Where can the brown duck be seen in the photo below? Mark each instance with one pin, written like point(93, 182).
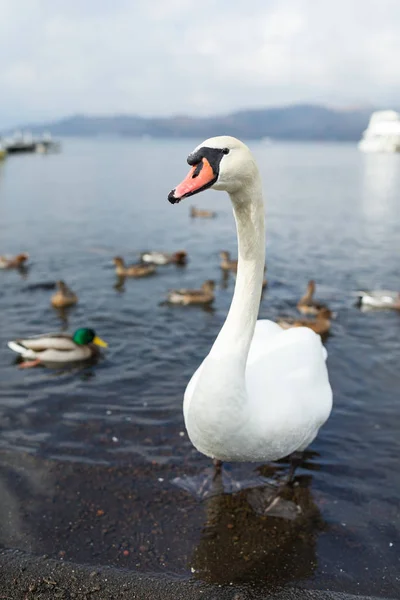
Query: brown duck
point(321, 324)
point(139, 270)
point(202, 214)
point(307, 305)
point(205, 295)
point(64, 296)
point(14, 262)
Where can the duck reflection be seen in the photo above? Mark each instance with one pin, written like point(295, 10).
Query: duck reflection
point(63, 315)
point(119, 284)
point(224, 282)
point(240, 545)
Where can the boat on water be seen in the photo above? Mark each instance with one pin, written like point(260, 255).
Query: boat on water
point(382, 133)
point(20, 142)
point(25, 142)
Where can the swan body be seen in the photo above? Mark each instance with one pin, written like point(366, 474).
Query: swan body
point(380, 299)
point(262, 392)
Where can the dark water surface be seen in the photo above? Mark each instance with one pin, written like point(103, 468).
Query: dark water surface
point(87, 456)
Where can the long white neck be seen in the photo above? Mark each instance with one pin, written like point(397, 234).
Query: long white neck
point(237, 332)
point(217, 408)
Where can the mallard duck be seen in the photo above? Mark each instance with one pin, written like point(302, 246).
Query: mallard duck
point(379, 299)
point(64, 296)
point(139, 270)
point(203, 214)
point(321, 324)
point(203, 296)
point(14, 262)
point(163, 258)
point(58, 348)
point(307, 305)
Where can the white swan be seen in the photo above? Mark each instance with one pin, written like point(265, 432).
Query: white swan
point(262, 392)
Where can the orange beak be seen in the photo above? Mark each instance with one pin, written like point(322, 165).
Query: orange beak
point(199, 178)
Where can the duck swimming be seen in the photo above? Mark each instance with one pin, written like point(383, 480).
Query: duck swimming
point(140, 270)
point(227, 264)
point(14, 262)
point(307, 305)
point(262, 392)
point(203, 296)
point(57, 348)
point(321, 324)
point(64, 297)
point(163, 258)
point(202, 214)
point(379, 299)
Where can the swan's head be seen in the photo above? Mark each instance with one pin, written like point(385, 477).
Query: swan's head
point(222, 163)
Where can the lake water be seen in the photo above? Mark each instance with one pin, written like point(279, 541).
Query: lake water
point(87, 456)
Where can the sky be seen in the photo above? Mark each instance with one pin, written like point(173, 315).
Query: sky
point(169, 57)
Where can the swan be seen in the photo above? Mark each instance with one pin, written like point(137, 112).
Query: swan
point(262, 392)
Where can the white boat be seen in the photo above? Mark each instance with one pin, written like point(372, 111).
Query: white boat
point(382, 133)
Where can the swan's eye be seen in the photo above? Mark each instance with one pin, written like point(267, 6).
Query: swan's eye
point(225, 150)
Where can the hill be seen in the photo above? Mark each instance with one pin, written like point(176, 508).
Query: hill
point(297, 122)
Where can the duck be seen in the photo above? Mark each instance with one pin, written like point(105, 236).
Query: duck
point(14, 262)
point(307, 305)
point(64, 297)
point(205, 295)
point(57, 348)
point(227, 264)
point(140, 270)
point(321, 324)
point(262, 392)
point(163, 258)
point(379, 299)
point(203, 214)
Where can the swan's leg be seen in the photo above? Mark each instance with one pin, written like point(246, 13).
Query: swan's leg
point(296, 460)
point(270, 501)
point(217, 468)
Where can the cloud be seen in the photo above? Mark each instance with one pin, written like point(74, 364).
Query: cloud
point(59, 57)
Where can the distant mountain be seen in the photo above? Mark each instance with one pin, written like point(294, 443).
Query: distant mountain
point(297, 122)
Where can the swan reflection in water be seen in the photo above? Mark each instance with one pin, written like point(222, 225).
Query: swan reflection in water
point(239, 545)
